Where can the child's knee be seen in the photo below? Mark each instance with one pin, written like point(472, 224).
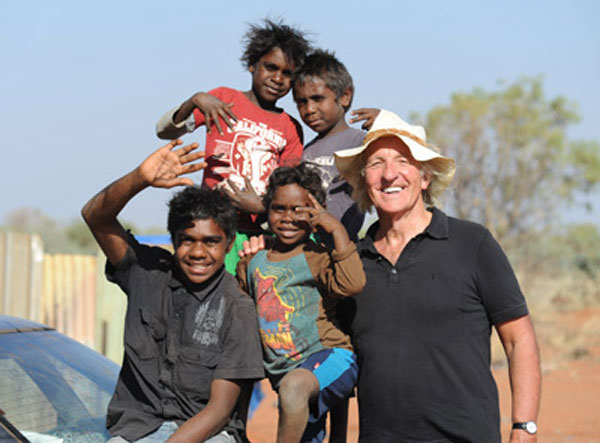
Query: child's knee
point(297, 388)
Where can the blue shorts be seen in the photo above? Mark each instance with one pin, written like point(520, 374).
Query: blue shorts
point(336, 370)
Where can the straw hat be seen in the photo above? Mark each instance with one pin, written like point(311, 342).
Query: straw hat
point(350, 164)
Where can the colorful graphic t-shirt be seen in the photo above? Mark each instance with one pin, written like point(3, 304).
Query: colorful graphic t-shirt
point(296, 302)
point(287, 303)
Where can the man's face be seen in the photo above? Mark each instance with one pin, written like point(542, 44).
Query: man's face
point(272, 76)
point(393, 177)
point(200, 250)
point(318, 106)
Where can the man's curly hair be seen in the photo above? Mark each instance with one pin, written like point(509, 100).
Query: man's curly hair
point(303, 175)
point(195, 203)
point(259, 40)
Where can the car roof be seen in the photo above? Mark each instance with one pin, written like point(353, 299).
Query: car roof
point(9, 324)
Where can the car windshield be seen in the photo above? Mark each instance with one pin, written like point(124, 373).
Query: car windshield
point(54, 389)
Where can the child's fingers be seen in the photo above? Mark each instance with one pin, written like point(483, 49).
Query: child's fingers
point(218, 124)
point(191, 157)
point(186, 153)
point(314, 202)
point(187, 148)
point(230, 112)
point(306, 210)
point(233, 190)
point(248, 183)
point(195, 167)
point(173, 144)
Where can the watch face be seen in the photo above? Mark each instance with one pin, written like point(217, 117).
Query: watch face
point(531, 427)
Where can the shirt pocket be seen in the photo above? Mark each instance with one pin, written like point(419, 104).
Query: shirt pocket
point(144, 339)
point(195, 370)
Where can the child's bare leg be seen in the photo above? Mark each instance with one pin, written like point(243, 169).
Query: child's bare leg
point(296, 390)
point(338, 422)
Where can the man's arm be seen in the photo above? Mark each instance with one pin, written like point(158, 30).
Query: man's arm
point(208, 422)
point(172, 124)
point(520, 345)
point(161, 170)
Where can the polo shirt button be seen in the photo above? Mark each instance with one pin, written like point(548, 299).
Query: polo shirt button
point(394, 271)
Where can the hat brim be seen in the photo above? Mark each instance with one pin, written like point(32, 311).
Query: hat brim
point(348, 162)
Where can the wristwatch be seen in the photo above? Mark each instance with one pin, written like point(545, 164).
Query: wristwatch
point(529, 426)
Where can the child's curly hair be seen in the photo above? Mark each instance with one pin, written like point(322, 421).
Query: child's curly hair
point(259, 40)
point(303, 175)
point(195, 203)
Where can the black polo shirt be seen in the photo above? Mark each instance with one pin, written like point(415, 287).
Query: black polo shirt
point(421, 329)
point(177, 342)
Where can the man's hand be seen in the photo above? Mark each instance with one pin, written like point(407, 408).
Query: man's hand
point(163, 168)
point(367, 115)
point(213, 108)
point(246, 199)
point(520, 436)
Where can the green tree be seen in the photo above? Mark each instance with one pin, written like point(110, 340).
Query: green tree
point(515, 165)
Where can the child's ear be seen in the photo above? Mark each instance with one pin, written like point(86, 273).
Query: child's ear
point(251, 69)
point(346, 98)
point(230, 245)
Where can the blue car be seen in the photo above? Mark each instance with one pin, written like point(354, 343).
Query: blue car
point(52, 388)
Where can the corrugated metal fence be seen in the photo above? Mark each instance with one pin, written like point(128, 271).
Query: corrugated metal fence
point(62, 291)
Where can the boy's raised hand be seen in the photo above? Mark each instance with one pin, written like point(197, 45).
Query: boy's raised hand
point(367, 115)
point(246, 199)
point(213, 108)
point(163, 168)
point(319, 217)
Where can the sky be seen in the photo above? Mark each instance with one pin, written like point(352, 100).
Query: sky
point(83, 83)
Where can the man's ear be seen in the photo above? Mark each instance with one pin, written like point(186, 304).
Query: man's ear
point(425, 180)
point(252, 68)
point(345, 98)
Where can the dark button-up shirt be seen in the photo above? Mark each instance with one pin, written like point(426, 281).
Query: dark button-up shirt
point(176, 342)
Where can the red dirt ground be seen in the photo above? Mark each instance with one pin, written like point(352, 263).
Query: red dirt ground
point(569, 412)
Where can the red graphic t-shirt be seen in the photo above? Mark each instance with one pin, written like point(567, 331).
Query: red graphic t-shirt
point(259, 142)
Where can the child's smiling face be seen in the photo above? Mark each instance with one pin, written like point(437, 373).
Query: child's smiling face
point(290, 226)
point(200, 250)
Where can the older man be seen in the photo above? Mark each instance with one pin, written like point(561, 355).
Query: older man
point(435, 287)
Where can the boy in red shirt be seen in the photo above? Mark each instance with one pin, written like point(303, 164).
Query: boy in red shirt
point(253, 136)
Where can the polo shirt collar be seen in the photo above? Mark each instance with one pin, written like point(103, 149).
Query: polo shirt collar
point(198, 291)
point(437, 228)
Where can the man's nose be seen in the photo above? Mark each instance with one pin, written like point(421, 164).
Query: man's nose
point(390, 171)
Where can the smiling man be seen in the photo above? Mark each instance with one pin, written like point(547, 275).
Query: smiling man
point(436, 286)
point(192, 348)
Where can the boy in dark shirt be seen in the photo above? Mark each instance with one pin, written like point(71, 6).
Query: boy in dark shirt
point(192, 348)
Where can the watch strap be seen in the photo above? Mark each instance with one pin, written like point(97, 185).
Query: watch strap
point(528, 426)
